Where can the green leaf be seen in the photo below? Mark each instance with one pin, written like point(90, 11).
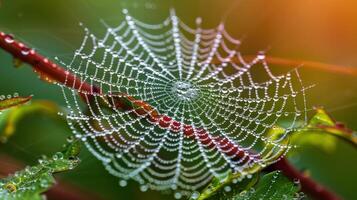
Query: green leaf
point(11, 117)
point(227, 188)
point(322, 131)
point(219, 185)
point(272, 186)
point(321, 118)
point(320, 124)
point(12, 102)
point(30, 183)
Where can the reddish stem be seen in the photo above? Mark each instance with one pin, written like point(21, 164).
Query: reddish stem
point(43, 65)
point(220, 143)
point(55, 72)
point(308, 185)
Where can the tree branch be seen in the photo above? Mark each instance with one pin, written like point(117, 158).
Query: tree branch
point(56, 73)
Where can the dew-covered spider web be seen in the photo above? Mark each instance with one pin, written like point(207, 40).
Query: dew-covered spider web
point(179, 105)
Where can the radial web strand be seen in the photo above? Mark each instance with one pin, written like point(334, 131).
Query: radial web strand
point(178, 105)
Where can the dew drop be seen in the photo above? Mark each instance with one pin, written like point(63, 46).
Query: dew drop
point(123, 183)
point(9, 39)
point(227, 188)
point(261, 55)
point(57, 156)
point(144, 188)
point(25, 51)
point(243, 193)
point(178, 195)
point(195, 195)
point(198, 20)
point(70, 139)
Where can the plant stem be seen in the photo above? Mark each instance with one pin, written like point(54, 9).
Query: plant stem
point(42, 65)
point(308, 185)
point(351, 71)
point(55, 72)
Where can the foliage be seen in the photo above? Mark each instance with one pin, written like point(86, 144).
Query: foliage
point(218, 185)
point(10, 117)
point(323, 132)
point(13, 102)
point(315, 132)
point(31, 182)
point(274, 186)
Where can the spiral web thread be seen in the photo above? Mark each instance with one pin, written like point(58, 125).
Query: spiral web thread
point(209, 109)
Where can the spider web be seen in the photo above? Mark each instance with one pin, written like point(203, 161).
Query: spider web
point(207, 109)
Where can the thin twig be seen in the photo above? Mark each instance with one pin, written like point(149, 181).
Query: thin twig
point(352, 71)
point(340, 69)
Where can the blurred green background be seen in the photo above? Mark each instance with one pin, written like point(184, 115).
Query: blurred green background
point(319, 30)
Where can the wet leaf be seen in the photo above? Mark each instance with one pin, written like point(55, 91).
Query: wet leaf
point(272, 186)
point(30, 183)
point(13, 102)
point(224, 190)
point(320, 130)
point(242, 180)
point(321, 118)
